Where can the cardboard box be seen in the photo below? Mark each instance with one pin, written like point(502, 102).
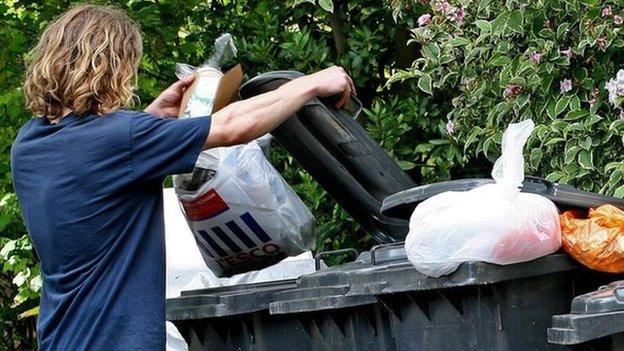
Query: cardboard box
point(211, 91)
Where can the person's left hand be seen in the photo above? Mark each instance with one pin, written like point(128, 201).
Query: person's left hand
point(167, 104)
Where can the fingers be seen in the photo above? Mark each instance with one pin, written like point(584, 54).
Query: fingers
point(351, 85)
point(183, 83)
point(344, 98)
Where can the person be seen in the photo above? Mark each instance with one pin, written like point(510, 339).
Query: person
point(88, 175)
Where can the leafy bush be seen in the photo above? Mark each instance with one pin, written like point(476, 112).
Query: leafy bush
point(501, 61)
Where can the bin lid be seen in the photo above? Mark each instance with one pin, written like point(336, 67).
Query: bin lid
point(593, 315)
point(225, 300)
point(341, 156)
point(386, 270)
point(402, 204)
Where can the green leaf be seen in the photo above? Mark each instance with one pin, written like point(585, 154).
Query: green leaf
point(472, 54)
point(619, 192)
point(562, 30)
point(555, 176)
point(576, 114)
point(485, 26)
point(586, 159)
point(575, 103)
point(572, 169)
point(554, 141)
point(561, 105)
point(616, 177)
point(20, 278)
point(590, 3)
point(30, 313)
point(586, 144)
point(424, 83)
point(500, 23)
point(7, 249)
point(459, 41)
point(483, 4)
point(431, 51)
point(614, 165)
point(522, 100)
point(592, 120)
point(406, 165)
point(499, 60)
point(439, 141)
point(551, 108)
point(535, 158)
point(570, 154)
point(472, 137)
point(515, 22)
point(298, 2)
point(327, 5)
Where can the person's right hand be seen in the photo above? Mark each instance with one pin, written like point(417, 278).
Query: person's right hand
point(332, 81)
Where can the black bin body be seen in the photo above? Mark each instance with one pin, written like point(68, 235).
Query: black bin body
point(383, 303)
point(480, 306)
point(235, 318)
point(595, 321)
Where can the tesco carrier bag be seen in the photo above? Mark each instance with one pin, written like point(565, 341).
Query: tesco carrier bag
point(242, 213)
point(494, 223)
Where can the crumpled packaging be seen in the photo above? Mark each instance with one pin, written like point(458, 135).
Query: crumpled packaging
point(596, 241)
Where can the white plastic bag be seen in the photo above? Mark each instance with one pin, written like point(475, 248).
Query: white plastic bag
point(243, 214)
point(241, 211)
point(494, 223)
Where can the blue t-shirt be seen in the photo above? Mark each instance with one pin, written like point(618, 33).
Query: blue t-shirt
point(90, 189)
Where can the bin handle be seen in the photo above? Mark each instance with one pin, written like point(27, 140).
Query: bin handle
point(376, 248)
point(353, 107)
point(320, 255)
point(548, 185)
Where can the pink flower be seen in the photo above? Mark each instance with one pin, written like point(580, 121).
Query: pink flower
point(459, 15)
point(618, 20)
point(547, 24)
point(443, 6)
point(450, 127)
point(536, 56)
point(424, 20)
point(606, 12)
point(622, 114)
point(565, 85)
point(513, 90)
point(602, 42)
point(567, 52)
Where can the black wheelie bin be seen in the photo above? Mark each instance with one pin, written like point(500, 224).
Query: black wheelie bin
point(379, 301)
point(595, 322)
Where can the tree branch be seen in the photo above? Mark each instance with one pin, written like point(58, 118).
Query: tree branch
point(335, 22)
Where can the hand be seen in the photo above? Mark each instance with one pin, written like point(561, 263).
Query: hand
point(332, 81)
point(167, 104)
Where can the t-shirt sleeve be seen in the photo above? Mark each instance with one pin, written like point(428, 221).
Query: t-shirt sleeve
point(164, 146)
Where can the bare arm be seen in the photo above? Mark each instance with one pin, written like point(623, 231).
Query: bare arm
point(249, 119)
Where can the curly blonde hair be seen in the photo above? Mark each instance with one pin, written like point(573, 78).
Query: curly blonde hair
point(85, 61)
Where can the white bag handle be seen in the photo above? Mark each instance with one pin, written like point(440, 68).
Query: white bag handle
point(508, 170)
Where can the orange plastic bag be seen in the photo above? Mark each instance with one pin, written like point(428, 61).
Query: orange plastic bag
point(598, 241)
